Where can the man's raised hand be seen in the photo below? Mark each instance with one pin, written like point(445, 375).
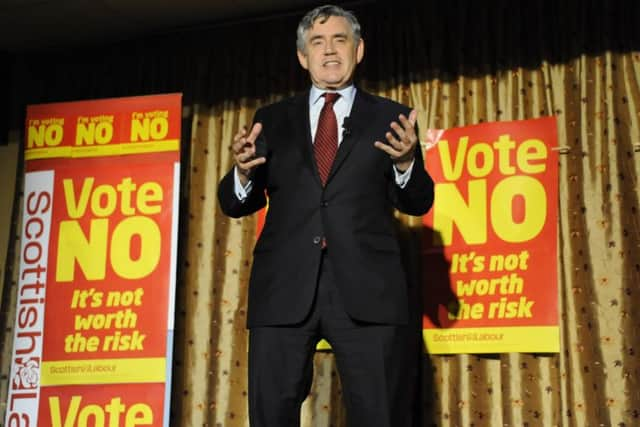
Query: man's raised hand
point(401, 149)
point(244, 152)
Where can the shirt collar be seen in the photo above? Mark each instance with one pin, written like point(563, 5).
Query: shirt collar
point(347, 94)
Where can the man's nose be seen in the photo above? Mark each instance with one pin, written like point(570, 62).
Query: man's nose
point(329, 48)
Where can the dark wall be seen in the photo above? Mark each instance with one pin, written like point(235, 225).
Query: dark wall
point(256, 59)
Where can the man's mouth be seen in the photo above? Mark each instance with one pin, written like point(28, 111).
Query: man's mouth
point(331, 63)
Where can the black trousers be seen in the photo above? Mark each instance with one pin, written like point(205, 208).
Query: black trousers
point(372, 361)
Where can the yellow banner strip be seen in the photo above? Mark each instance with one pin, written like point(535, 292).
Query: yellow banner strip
point(103, 371)
point(516, 339)
point(119, 149)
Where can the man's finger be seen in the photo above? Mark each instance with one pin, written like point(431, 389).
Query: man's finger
point(239, 141)
point(387, 149)
point(408, 126)
point(413, 117)
point(253, 163)
point(393, 141)
point(245, 155)
point(241, 146)
point(241, 133)
point(255, 131)
point(399, 130)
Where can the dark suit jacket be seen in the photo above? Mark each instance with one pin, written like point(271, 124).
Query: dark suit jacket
point(354, 211)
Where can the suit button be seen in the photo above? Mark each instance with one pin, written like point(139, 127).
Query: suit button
point(324, 204)
point(317, 240)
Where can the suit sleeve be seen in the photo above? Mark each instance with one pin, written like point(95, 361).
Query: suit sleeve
point(256, 199)
point(416, 198)
point(232, 206)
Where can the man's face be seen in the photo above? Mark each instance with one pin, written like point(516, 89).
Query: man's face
point(331, 54)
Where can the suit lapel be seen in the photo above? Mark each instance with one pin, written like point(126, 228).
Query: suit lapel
point(299, 120)
point(362, 111)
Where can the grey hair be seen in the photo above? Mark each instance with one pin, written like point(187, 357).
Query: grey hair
point(323, 13)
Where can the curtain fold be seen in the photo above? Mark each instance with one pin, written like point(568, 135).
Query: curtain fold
point(457, 63)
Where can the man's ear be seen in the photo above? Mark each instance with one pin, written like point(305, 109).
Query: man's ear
point(303, 59)
point(360, 51)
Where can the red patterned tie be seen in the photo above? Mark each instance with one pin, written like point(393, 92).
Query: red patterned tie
point(326, 142)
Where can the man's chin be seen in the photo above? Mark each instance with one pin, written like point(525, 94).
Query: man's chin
point(333, 84)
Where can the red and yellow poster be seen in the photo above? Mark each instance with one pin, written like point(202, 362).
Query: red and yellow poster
point(94, 326)
point(490, 263)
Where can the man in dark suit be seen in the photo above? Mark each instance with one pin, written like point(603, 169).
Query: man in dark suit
point(327, 264)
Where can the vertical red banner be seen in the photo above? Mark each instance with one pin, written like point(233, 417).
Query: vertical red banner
point(493, 238)
point(94, 331)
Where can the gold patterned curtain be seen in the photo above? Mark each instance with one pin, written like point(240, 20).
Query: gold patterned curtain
point(457, 63)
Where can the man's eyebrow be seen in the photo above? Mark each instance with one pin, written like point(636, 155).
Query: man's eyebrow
point(336, 35)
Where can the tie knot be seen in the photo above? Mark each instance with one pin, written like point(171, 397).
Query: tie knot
point(330, 97)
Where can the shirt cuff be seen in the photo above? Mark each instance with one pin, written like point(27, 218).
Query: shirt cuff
point(242, 192)
point(402, 178)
